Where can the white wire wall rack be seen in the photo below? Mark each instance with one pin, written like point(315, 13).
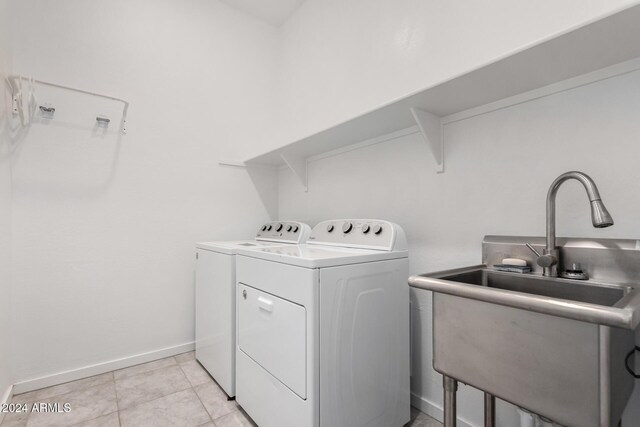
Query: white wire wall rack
point(16, 83)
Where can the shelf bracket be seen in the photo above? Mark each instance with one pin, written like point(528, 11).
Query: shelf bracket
point(298, 166)
point(430, 126)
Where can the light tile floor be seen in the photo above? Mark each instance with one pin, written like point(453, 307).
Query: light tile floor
point(170, 392)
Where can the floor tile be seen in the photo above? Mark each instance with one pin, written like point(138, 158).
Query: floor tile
point(209, 424)
point(424, 420)
point(111, 420)
point(195, 373)
point(236, 418)
point(15, 419)
point(86, 404)
point(215, 400)
point(145, 367)
point(151, 385)
point(185, 357)
point(182, 409)
point(46, 393)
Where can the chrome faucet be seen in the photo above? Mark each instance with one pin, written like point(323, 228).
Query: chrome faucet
point(600, 217)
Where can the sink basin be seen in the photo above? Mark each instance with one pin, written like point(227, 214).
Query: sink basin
point(587, 292)
point(590, 301)
point(554, 346)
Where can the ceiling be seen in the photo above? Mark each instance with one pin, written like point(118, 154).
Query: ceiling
point(274, 12)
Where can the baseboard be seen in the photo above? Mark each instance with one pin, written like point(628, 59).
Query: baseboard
point(100, 368)
point(5, 398)
point(434, 410)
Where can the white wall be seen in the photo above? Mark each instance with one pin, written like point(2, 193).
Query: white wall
point(343, 58)
point(6, 376)
point(105, 225)
point(498, 169)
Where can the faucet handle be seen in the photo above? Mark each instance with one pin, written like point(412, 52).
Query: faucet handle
point(545, 261)
point(533, 249)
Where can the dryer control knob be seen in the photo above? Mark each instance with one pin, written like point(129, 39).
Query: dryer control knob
point(330, 228)
point(377, 229)
point(295, 228)
point(269, 227)
point(289, 228)
point(347, 227)
point(264, 227)
point(279, 227)
point(366, 228)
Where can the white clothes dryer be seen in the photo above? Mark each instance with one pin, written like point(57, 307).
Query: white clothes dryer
point(323, 328)
point(216, 297)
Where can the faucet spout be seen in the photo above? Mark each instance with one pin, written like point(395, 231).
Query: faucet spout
point(600, 216)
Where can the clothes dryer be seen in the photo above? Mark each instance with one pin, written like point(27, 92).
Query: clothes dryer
point(323, 328)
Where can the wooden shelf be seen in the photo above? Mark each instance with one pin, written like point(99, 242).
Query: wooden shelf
point(597, 45)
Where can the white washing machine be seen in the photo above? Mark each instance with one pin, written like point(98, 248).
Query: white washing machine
point(216, 296)
point(323, 328)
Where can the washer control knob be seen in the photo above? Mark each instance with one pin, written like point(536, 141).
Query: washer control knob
point(289, 228)
point(264, 227)
point(279, 227)
point(269, 227)
point(377, 229)
point(330, 228)
point(366, 228)
point(295, 228)
point(347, 227)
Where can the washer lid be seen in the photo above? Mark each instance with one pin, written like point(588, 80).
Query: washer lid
point(232, 247)
point(316, 256)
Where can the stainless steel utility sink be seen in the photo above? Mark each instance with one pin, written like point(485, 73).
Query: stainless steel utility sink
point(554, 346)
point(590, 301)
point(588, 292)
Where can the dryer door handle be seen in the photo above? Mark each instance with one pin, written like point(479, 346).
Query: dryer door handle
point(265, 304)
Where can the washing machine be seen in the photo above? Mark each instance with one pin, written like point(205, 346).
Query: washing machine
point(323, 328)
point(216, 296)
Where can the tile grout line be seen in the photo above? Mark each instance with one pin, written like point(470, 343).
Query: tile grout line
point(66, 392)
point(117, 404)
point(198, 396)
point(145, 372)
point(100, 416)
point(75, 391)
point(158, 397)
point(114, 381)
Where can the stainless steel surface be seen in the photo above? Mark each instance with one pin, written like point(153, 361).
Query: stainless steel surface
point(450, 387)
point(600, 217)
point(489, 410)
point(549, 365)
point(551, 345)
point(614, 261)
point(592, 301)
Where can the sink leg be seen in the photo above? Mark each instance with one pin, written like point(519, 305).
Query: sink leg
point(489, 410)
point(450, 388)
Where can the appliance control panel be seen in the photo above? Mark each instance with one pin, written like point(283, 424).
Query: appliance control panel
point(359, 233)
point(284, 231)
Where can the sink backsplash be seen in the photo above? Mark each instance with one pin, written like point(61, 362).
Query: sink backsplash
point(611, 260)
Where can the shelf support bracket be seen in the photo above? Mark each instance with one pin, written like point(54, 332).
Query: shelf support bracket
point(430, 126)
point(298, 166)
